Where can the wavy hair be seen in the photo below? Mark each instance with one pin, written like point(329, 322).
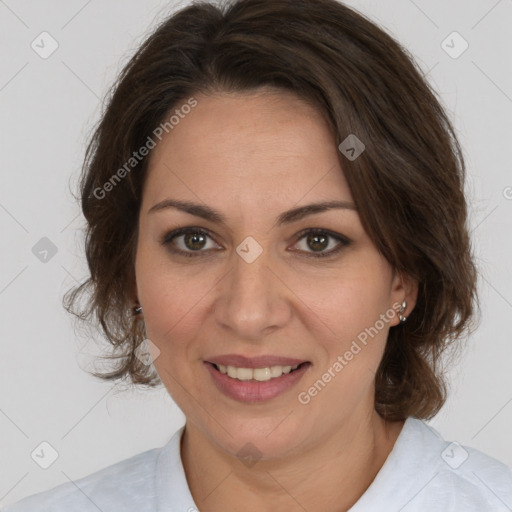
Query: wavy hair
point(408, 185)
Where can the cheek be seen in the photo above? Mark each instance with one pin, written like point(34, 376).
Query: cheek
point(171, 305)
point(172, 298)
point(351, 334)
point(170, 309)
point(350, 339)
point(157, 294)
point(351, 298)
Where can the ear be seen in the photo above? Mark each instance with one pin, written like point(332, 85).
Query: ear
point(403, 287)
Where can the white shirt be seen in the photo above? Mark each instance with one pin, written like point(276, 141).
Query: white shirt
point(423, 473)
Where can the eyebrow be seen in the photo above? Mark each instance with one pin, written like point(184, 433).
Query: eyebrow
point(287, 217)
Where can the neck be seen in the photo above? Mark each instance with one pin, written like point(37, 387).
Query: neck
point(330, 476)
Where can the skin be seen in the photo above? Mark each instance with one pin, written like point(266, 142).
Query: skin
point(252, 156)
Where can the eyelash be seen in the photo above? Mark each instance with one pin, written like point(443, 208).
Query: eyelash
point(169, 237)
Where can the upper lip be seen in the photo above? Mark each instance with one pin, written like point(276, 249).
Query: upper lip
point(254, 362)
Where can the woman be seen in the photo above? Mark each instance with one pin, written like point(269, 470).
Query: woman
point(275, 211)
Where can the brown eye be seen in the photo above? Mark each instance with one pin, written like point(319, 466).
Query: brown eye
point(316, 241)
point(191, 241)
point(187, 241)
point(194, 241)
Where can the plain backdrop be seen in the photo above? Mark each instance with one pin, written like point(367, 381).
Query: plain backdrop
point(48, 108)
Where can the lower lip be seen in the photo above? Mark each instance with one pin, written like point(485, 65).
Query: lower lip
point(250, 391)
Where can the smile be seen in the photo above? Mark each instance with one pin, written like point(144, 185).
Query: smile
point(259, 374)
point(252, 385)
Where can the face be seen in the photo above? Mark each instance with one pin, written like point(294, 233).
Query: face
point(256, 284)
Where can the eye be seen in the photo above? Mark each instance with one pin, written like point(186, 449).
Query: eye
point(318, 240)
point(191, 241)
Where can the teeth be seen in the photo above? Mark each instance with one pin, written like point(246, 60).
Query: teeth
point(259, 374)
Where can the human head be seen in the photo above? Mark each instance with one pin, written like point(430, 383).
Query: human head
point(407, 185)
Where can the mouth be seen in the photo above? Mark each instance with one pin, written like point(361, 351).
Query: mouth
point(255, 385)
point(263, 374)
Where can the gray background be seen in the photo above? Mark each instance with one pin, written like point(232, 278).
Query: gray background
point(48, 109)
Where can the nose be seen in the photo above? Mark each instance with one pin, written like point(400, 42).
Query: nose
point(253, 301)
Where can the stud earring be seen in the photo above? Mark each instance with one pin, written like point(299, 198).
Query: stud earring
point(402, 318)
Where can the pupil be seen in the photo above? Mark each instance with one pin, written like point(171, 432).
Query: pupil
point(323, 244)
point(194, 237)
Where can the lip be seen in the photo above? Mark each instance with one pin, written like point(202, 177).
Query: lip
point(253, 391)
point(254, 362)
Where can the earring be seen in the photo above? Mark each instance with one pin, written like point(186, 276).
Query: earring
point(137, 310)
point(402, 318)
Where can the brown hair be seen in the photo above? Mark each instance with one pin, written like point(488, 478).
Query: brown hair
point(408, 184)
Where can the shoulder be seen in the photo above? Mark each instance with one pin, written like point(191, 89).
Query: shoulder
point(471, 477)
point(456, 476)
point(424, 472)
point(125, 485)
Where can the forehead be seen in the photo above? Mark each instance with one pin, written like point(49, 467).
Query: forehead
point(248, 147)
